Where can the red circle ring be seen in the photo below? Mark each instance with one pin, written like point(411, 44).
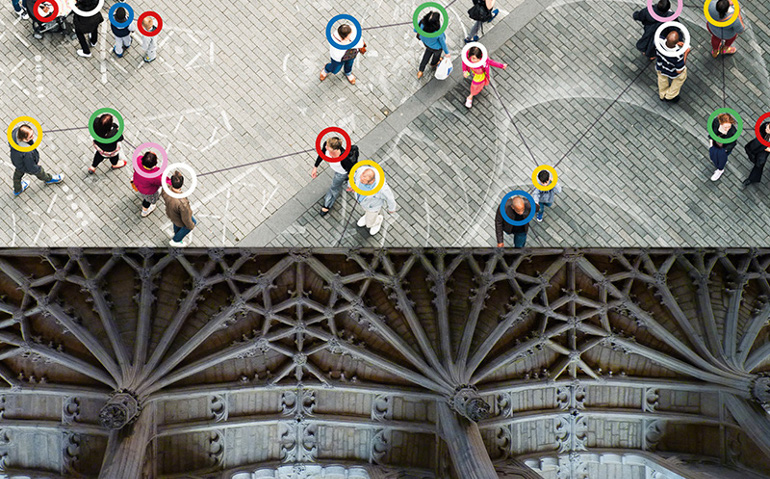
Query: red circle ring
point(326, 131)
point(758, 125)
point(141, 29)
point(50, 17)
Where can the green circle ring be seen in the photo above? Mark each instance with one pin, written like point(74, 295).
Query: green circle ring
point(710, 127)
point(416, 22)
point(113, 113)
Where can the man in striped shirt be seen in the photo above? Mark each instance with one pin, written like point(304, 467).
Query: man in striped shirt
point(671, 70)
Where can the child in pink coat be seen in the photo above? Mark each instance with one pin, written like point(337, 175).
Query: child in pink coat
point(148, 188)
point(480, 74)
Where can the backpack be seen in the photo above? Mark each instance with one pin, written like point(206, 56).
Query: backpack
point(479, 11)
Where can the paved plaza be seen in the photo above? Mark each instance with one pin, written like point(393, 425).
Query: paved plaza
point(235, 94)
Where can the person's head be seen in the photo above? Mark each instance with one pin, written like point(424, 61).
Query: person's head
point(177, 180)
point(149, 160)
point(664, 5)
point(334, 147)
point(726, 119)
point(104, 125)
point(121, 15)
point(367, 176)
point(474, 54)
point(518, 205)
point(25, 133)
point(148, 23)
point(344, 31)
point(544, 177)
point(672, 39)
point(722, 7)
point(431, 22)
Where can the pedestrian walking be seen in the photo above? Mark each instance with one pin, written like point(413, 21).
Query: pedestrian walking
point(27, 162)
point(365, 179)
point(646, 44)
point(334, 149)
point(758, 153)
point(431, 23)
point(544, 199)
point(149, 44)
point(482, 11)
point(148, 188)
point(343, 59)
point(106, 127)
point(122, 35)
point(723, 127)
point(87, 26)
point(722, 38)
point(179, 212)
point(20, 9)
point(517, 209)
point(480, 74)
point(671, 69)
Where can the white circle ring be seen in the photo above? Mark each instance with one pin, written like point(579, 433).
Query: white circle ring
point(467, 62)
point(660, 43)
point(90, 13)
point(181, 166)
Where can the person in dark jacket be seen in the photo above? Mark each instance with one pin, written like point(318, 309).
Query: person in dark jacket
point(87, 25)
point(106, 127)
point(758, 154)
point(334, 149)
point(724, 127)
point(26, 162)
point(646, 44)
point(517, 209)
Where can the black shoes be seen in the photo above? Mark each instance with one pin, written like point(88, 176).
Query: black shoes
point(747, 182)
point(324, 213)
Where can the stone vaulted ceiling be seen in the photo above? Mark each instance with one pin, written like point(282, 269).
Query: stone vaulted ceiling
point(225, 363)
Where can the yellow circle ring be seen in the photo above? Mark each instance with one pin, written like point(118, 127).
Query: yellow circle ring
point(352, 178)
point(550, 169)
point(25, 119)
point(727, 22)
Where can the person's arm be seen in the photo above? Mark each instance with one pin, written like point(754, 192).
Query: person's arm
point(186, 214)
point(495, 64)
point(314, 171)
point(389, 198)
point(490, 4)
point(442, 41)
point(499, 228)
point(30, 162)
point(557, 189)
point(536, 196)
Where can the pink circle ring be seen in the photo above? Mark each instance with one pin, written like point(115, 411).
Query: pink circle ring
point(680, 5)
point(139, 169)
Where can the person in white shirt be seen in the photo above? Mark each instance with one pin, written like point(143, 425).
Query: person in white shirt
point(366, 180)
point(340, 59)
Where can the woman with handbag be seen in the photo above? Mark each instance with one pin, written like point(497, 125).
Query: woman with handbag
point(343, 58)
point(758, 153)
point(105, 127)
point(148, 188)
point(431, 23)
point(87, 25)
point(482, 11)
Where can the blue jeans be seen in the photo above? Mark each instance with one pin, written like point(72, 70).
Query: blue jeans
point(541, 211)
point(519, 240)
point(334, 67)
point(17, 5)
point(181, 231)
point(718, 157)
point(335, 189)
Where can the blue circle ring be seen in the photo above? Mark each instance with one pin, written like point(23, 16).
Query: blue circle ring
point(531, 208)
point(343, 16)
point(111, 15)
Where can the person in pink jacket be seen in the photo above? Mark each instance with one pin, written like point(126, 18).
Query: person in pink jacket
point(148, 188)
point(480, 74)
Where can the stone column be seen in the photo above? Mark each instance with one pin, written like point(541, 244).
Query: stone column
point(463, 439)
point(126, 448)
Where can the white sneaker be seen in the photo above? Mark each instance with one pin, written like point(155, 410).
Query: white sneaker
point(81, 53)
point(717, 174)
point(176, 244)
point(377, 225)
point(187, 239)
point(469, 102)
point(362, 222)
point(24, 15)
point(146, 212)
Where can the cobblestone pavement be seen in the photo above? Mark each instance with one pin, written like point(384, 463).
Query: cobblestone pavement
point(635, 171)
point(240, 101)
